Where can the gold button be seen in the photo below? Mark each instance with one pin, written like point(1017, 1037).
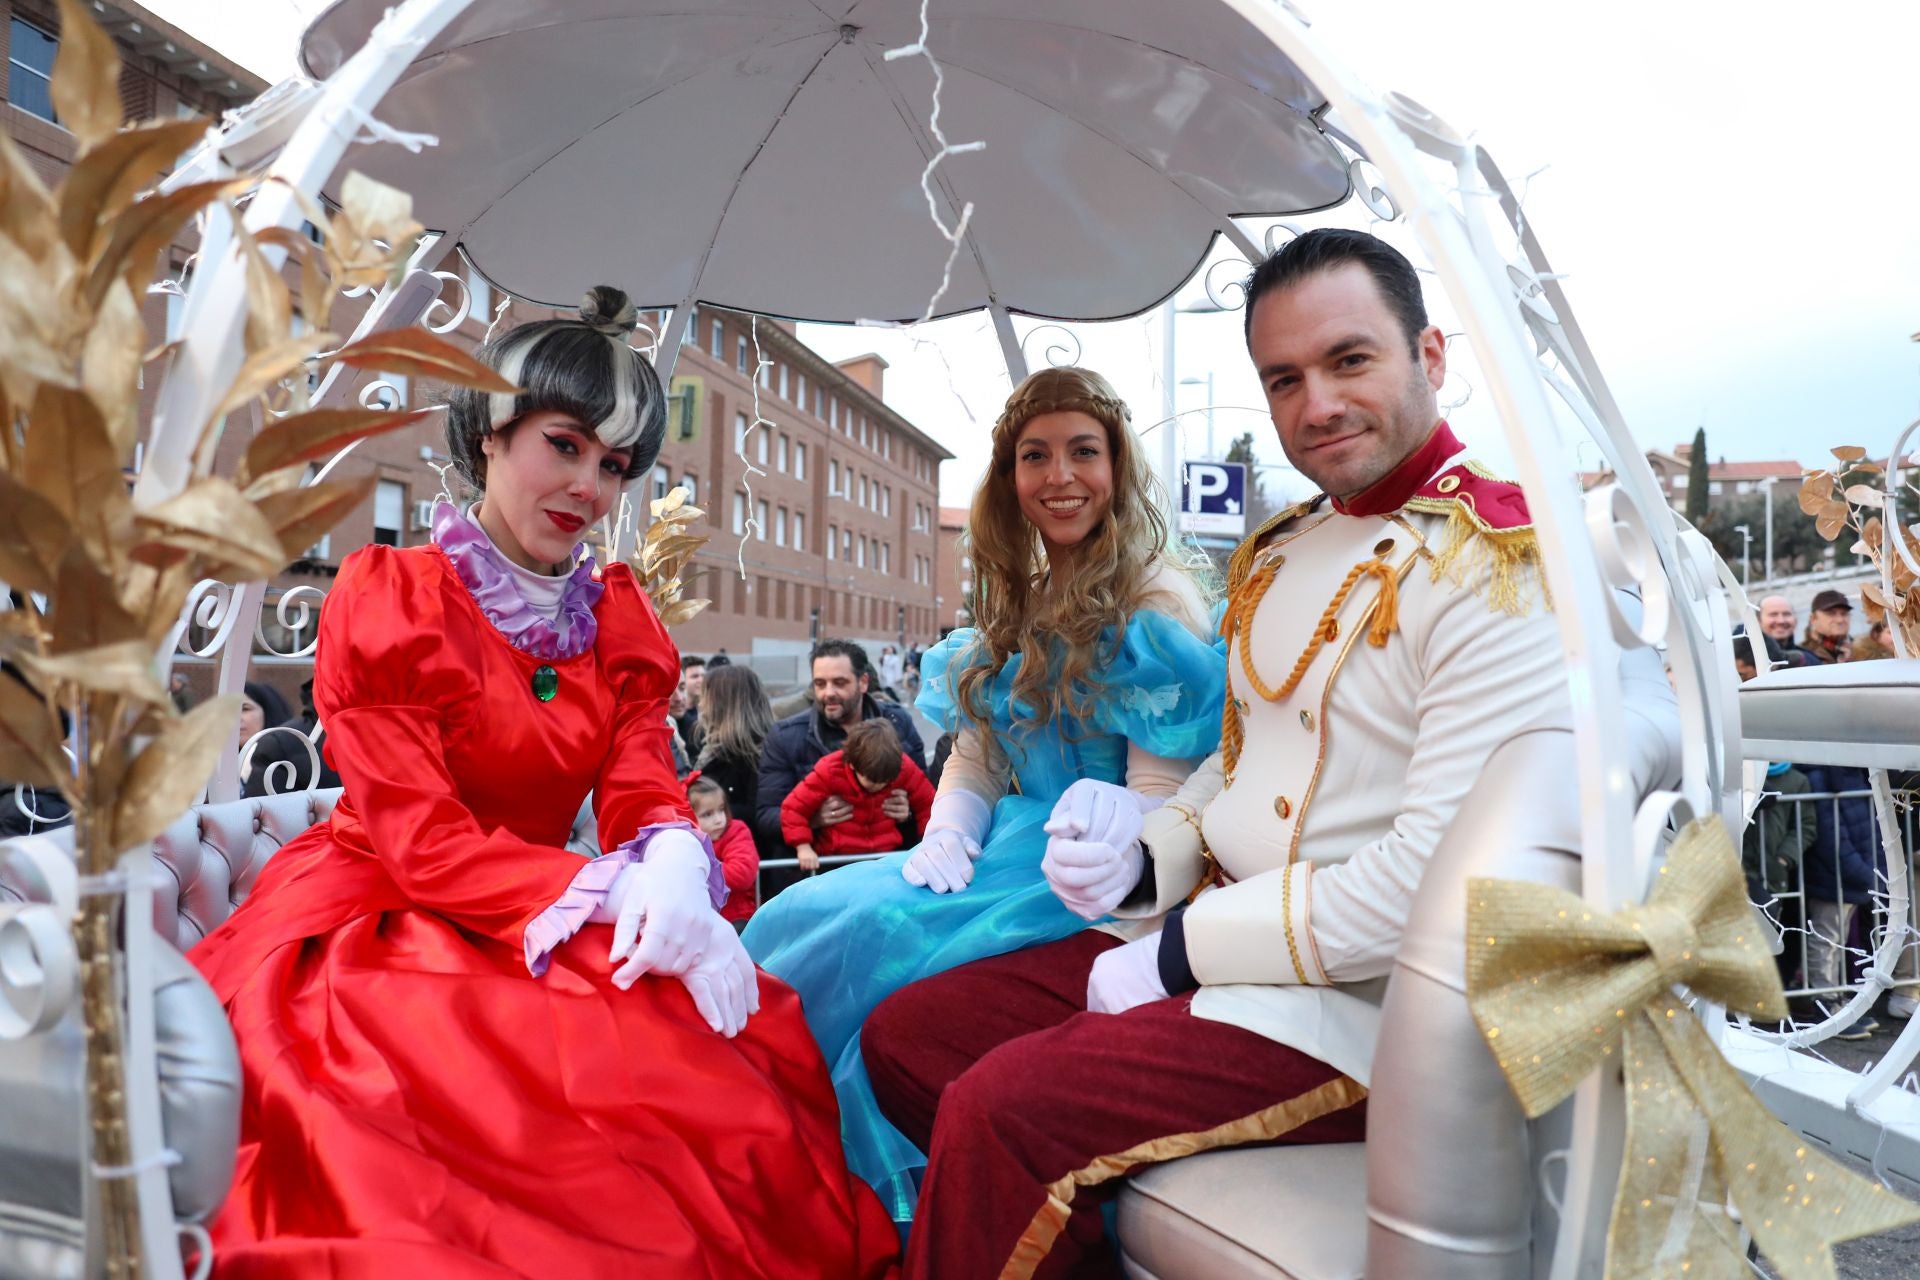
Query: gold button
point(1383, 546)
point(1306, 721)
point(1449, 483)
point(1283, 807)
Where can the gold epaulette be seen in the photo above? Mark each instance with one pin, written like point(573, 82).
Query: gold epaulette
point(1488, 537)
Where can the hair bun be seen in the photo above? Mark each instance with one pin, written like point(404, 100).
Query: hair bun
point(607, 310)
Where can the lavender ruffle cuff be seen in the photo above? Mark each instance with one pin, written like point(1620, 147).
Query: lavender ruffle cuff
point(590, 887)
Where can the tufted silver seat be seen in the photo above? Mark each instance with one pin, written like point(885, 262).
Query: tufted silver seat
point(1854, 713)
point(1392, 1206)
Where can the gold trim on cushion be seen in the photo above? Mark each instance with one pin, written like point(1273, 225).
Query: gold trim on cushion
point(1264, 1125)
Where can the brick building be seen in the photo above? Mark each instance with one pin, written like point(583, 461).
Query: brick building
point(956, 569)
point(1725, 480)
point(843, 518)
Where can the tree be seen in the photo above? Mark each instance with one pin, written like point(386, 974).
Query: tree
point(1696, 511)
point(1797, 545)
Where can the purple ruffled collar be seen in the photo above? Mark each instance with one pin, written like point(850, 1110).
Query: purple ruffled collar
point(489, 577)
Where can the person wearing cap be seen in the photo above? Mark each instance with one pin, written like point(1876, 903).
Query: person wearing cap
point(1828, 627)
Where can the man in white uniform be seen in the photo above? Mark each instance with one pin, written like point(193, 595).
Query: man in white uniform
point(1385, 638)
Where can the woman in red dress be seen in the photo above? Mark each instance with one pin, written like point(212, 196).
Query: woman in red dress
point(467, 1051)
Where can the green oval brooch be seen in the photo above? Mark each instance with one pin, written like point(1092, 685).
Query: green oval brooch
point(546, 683)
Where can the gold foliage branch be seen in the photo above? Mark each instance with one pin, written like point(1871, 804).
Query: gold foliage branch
point(1850, 495)
point(663, 554)
point(100, 578)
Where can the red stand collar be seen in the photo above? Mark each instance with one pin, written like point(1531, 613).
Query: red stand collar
point(1391, 491)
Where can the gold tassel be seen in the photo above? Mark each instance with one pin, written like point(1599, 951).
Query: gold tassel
point(1510, 558)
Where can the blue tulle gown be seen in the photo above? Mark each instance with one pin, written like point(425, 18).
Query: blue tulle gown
point(848, 939)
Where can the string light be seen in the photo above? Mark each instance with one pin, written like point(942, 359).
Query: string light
point(958, 232)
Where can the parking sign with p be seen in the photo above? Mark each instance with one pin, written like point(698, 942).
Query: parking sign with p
point(1213, 498)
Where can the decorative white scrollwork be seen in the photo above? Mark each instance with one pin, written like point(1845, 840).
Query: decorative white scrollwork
point(213, 606)
point(39, 966)
point(1062, 348)
point(283, 776)
point(380, 394)
point(456, 311)
point(1630, 563)
point(1227, 291)
point(1278, 234)
point(1376, 197)
point(295, 612)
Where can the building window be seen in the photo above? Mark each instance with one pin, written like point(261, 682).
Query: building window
point(692, 485)
point(800, 461)
point(760, 520)
point(740, 434)
point(784, 376)
point(662, 481)
point(717, 344)
point(799, 531)
point(740, 354)
point(886, 500)
point(30, 64)
point(886, 558)
point(690, 336)
point(786, 455)
point(389, 512)
point(800, 389)
point(863, 491)
point(816, 402)
point(479, 296)
point(860, 559)
point(846, 544)
point(1714, 488)
point(766, 374)
point(739, 513)
point(760, 447)
point(780, 527)
point(833, 478)
point(833, 411)
point(833, 542)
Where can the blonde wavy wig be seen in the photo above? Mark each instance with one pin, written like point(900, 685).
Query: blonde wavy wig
point(1067, 629)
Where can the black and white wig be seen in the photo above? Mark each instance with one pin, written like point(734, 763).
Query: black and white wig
point(580, 367)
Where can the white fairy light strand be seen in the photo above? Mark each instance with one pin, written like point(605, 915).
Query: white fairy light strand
point(750, 524)
point(958, 232)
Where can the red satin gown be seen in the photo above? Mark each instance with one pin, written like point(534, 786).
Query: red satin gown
point(417, 1104)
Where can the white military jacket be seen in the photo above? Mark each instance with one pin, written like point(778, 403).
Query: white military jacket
point(1308, 843)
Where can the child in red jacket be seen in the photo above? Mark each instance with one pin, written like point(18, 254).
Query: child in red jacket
point(732, 844)
point(866, 773)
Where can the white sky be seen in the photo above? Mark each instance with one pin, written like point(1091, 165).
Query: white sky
point(1730, 189)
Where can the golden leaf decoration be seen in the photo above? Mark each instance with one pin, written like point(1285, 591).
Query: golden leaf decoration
point(33, 536)
point(86, 78)
point(1849, 452)
point(125, 668)
point(371, 236)
point(269, 304)
point(1830, 519)
point(318, 433)
point(669, 544)
point(33, 310)
point(27, 215)
point(418, 354)
point(142, 233)
point(29, 736)
point(87, 613)
point(1815, 490)
point(70, 460)
point(110, 365)
point(1865, 495)
point(267, 366)
point(300, 516)
point(103, 182)
point(214, 519)
point(166, 778)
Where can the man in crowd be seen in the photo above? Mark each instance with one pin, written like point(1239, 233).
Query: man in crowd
point(693, 678)
point(842, 698)
point(1777, 624)
point(1829, 627)
point(1408, 638)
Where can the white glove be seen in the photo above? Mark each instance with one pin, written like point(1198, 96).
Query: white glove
point(663, 901)
point(1093, 858)
point(956, 825)
point(721, 979)
point(1126, 976)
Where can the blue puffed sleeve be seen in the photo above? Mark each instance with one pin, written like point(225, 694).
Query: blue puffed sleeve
point(940, 670)
point(1165, 688)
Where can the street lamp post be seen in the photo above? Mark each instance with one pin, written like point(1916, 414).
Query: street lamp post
point(1766, 489)
point(1746, 553)
point(1206, 382)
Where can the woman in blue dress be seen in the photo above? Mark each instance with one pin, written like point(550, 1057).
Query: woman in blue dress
point(1093, 657)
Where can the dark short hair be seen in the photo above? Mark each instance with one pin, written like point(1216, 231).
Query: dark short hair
point(690, 660)
point(841, 649)
point(1324, 249)
point(580, 366)
point(1743, 651)
point(873, 749)
point(705, 788)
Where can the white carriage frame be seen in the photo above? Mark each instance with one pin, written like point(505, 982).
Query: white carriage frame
point(1622, 537)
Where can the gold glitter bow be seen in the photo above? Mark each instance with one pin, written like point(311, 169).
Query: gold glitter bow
point(1556, 987)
